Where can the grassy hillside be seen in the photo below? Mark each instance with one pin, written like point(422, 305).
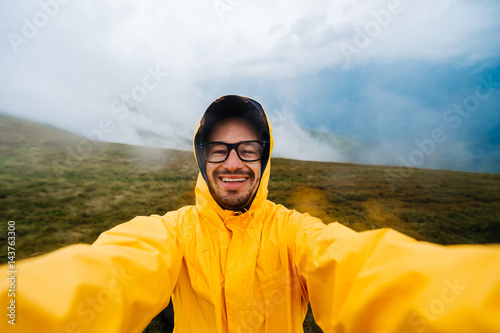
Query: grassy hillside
point(61, 189)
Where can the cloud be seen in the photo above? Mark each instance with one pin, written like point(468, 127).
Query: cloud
point(78, 61)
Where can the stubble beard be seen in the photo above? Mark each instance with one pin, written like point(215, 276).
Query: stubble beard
point(229, 199)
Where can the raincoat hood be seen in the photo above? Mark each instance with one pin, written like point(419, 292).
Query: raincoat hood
point(222, 108)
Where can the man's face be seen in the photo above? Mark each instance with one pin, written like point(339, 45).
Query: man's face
point(233, 183)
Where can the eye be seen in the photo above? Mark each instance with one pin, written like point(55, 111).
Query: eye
point(216, 149)
point(219, 151)
point(250, 149)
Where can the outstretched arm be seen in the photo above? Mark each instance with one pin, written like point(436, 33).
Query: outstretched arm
point(117, 284)
point(383, 281)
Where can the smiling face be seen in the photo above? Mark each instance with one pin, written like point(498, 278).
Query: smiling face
point(233, 183)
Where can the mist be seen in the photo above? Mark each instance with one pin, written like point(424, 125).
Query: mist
point(400, 83)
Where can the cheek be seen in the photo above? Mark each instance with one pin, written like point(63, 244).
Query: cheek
point(210, 177)
point(210, 170)
point(257, 172)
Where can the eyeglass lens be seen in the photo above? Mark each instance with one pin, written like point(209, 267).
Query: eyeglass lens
point(248, 151)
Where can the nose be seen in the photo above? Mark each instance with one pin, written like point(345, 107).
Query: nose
point(233, 161)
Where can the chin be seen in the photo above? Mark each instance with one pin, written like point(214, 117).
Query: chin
point(234, 205)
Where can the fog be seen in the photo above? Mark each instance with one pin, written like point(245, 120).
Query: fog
point(400, 82)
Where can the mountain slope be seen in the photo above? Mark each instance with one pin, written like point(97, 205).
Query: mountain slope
point(61, 189)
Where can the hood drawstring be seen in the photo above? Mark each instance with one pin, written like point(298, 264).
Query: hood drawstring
point(238, 213)
point(218, 231)
point(257, 239)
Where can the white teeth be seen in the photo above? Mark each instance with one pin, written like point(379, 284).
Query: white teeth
point(233, 180)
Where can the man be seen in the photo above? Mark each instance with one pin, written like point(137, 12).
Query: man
point(236, 262)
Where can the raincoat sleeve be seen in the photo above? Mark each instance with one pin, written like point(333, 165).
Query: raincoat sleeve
point(117, 284)
point(384, 281)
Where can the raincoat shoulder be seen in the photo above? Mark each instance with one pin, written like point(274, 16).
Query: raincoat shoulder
point(117, 284)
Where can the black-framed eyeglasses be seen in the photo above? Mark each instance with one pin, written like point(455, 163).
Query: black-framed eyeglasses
point(248, 151)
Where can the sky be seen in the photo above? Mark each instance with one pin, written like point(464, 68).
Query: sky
point(409, 83)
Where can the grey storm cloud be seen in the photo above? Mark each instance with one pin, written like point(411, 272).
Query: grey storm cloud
point(144, 72)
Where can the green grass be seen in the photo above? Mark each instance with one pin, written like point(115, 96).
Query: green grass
point(60, 194)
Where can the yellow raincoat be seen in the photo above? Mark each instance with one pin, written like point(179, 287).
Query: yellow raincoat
point(255, 272)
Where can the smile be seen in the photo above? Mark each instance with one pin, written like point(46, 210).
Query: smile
point(233, 180)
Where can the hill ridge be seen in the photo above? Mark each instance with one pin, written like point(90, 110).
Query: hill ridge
point(60, 198)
